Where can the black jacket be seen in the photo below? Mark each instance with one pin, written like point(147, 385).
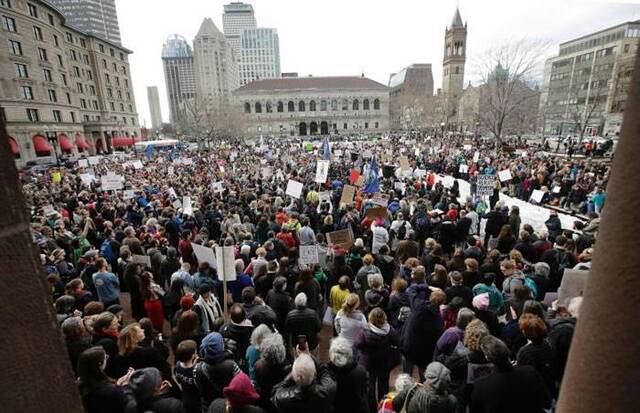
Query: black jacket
point(267, 377)
point(281, 304)
point(303, 322)
point(211, 378)
point(352, 392)
point(236, 340)
point(421, 332)
point(260, 314)
point(461, 291)
point(107, 398)
point(495, 221)
point(315, 398)
point(519, 389)
point(141, 357)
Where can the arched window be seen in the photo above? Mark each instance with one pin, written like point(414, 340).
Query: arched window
point(376, 104)
point(269, 107)
point(457, 70)
point(258, 107)
point(356, 105)
point(247, 107)
point(291, 106)
point(312, 106)
point(345, 104)
point(365, 104)
point(280, 107)
point(334, 104)
point(323, 105)
point(301, 106)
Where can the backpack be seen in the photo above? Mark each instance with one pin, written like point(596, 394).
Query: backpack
point(532, 286)
point(106, 250)
point(422, 224)
point(402, 231)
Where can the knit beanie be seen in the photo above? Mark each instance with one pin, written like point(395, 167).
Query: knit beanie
point(143, 382)
point(240, 392)
point(437, 376)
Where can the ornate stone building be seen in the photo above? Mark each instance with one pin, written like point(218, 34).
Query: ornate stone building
point(62, 91)
point(314, 106)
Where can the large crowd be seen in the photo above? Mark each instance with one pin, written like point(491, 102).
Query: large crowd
point(435, 301)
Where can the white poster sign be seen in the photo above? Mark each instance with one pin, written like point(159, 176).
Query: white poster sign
point(83, 163)
point(94, 160)
point(505, 175)
point(217, 187)
point(556, 189)
point(204, 254)
point(464, 168)
point(537, 195)
point(187, 207)
point(309, 254)
point(128, 194)
point(142, 259)
point(485, 184)
point(322, 171)
point(87, 179)
point(170, 171)
point(476, 156)
point(111, 182)
point(137, 164)
point(226, 262)
point(294, 188)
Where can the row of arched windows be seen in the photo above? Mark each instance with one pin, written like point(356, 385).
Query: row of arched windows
point(258, 107)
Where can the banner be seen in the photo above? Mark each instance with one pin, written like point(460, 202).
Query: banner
point(380, 199)
point(537, 196)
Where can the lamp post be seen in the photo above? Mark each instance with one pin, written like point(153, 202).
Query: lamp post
point(52, 137)
point(442, 129)
point(477, 130)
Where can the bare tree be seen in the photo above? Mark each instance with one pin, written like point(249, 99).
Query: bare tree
point(207, 122)
point(509, 74)
point(587, 101)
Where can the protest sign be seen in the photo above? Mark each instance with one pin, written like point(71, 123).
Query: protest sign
point(463, 168)
point(187, 208)
point(404, 163)
point(448, 181)
point(322, 171)
point(83, 163)
point(94, 160)
point(484, 185)
point(343, 238)
point(572, 285)
point(324, 196)
point(380, 199)
point(377, 212)
point(128, 194)
point(217, 187)
point(467, 147)
point(137, 164)
point(399, 186)
point(337, 153)
point(177, 204)
point(347, 195)
point(56, 177)
point(204, 254)
point(476, 156)
point(87, 179)
point(266, 172)
point(142, 259)
point(537, 195)
point(111, 182)
point(309, 254)
point(504, 175)
point(419, 173)
point(226, 263)
point(556, 189)
point(48, 209)
point(294, 188)
point(360, 181)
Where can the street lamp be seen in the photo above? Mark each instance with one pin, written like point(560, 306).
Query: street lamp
point(442, 129)
point(477, 130)
point(52, 137)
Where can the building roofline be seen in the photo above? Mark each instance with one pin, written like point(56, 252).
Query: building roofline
point(598, 32)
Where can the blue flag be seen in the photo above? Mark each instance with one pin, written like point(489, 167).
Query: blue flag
point(149, 151)
point(372, 183)
point(326, 152)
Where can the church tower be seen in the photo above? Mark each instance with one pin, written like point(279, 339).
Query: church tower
point(455, 46)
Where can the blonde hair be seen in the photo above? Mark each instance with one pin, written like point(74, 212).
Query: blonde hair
point(475, 331)
point(367, 259)
point(516, 256)
point(128, 339)
point(350, 304)
point(471, 264)
point(261, 252)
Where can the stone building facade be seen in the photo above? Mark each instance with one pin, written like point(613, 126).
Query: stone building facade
point(314, 106)
point(62, 91)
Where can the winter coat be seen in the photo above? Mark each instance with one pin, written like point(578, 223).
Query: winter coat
point(213, 376)
point(374, 347)
point(281, 304)
point(289, 397)
point(267, 377)
point(424, 399)
point(352, 395)
point(420, 333)
point(306, 322)
point(349, 326)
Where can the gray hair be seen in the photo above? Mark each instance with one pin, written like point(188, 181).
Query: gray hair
point(403, 381)
point(259, 333)
point(71, 327)
point(495, 350)
point(465, 316)
point(375, 280)
point(300, 300)
point(303, 371)
point(340, 352)
point(542, 269)
point(272, 349)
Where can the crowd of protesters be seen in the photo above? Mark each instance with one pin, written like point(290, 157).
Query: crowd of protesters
point(452, 311)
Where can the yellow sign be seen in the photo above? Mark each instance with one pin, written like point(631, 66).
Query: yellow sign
point(56, 177)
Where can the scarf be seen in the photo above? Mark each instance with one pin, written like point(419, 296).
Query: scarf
point(211, 308)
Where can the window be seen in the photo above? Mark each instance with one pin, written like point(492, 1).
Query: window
point(26, 92)
point(9, 24)
point(64, 79)
point(457, 70)
point(334, 104)
point(15, 47)
point(55, 41)
point(109, 92)
point(269, 107)
point(79, 87)
point(122, 107)
point(86, 118)
point(33, 10)
point(83, 103)
point(95, 104)
point(115, 67)
point(365, 104)
point(74, 55)
point(124, 70)
point(121, 56)
point(37, 33)
point(323, 105)
point(104, 64)
point(42, 54)
point(111, 52)
point(83, 43)
point(89, 75)
point(21, 70)
point(301, 106)
point(247, 107)
point(126, 83)
point(344, 125)
point(626, 48)
point(57, 116)
point(291, 106)
point(366, 125)
point(117, 81)
point(52, 95)
point(107, 78)
point(376, 125)
point(376, 104)
point(32, 115)
point(76, 70)
point(356, 105)
point(60, 61)
point(133, 121)
point(73, 117)
point(131, 110)
point(69, 37)
point(258, 107)
point(280, 107)
point(5, 3)
point(92, 90)
point(124, 120)
point(101, 47)
point(312, 106)
point(47, 75)
point(51, 21)
point(68, 97)
point(112, 106)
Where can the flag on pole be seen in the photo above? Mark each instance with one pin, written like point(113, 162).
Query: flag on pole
point(326, 152)
point(372, 183)
point(149, 151)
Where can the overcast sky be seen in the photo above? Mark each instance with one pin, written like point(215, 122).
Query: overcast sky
point(350, 37)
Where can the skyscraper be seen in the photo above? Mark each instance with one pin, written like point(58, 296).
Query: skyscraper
point(216, 70)
point(177, 61)
point(237, 17)
point(257, 50)
point(96, 17)
point(154, 107)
